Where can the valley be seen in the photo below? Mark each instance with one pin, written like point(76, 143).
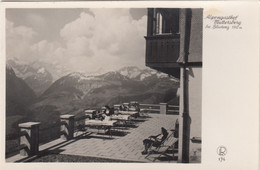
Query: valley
point(74, 92)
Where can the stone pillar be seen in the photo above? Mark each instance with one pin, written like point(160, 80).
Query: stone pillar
point(67, 126)
point(29, 138)
point(163, 108)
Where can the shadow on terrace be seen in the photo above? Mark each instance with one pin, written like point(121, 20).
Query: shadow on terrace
point(119, 139)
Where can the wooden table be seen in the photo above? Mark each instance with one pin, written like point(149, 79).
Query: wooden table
point(131, 113)
point(120, 117)
point(127, 112)
point(106, 125)
point(89, 113)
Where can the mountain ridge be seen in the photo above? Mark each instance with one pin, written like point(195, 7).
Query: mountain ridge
point(74, 92)
point(37, 78)
point(82, 90)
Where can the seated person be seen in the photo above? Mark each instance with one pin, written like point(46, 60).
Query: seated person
point(134, 106)
point(108, 111)
point(122, 108)
point(125, 106)
point(155, 140)
point(94, 115)
point(106, 118)
point(99, 115)
point(137, 106)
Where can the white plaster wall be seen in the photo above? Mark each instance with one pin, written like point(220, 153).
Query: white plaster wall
point(195, 104)
point(195, 107)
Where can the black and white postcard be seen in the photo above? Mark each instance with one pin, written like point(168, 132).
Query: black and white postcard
point(130, 84)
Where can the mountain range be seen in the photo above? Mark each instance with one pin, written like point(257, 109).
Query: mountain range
point(33, 95)
point(129, 83)
point(36, 76)
point(84, 90)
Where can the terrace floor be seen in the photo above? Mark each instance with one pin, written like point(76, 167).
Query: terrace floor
point(125, 144)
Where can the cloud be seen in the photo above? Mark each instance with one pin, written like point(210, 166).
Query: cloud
point(18, 40)
point(44, 50)
point(83, 26)
point(114, 39)
point(22, 32)
point(36, 20)
point(102, 39)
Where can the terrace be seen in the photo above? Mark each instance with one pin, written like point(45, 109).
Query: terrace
point(124, 144)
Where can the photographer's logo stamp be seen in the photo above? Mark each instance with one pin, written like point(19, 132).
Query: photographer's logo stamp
point(222, 152)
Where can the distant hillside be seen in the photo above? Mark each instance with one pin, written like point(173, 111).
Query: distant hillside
point(77, 90)
point(19, 98)
point(74, 92)
point(36, 76)
point(18, 94)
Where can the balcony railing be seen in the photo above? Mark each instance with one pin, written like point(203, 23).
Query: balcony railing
point(162, 49)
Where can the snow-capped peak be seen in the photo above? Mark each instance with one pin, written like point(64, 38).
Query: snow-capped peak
point(130, 72)
point(81, 76)
point(9, 70)
point(77, 75)
point(41, 70)
point(144, 75)
point(16, 61)
point(161, 75)
point(134, 72)
point(8, 66)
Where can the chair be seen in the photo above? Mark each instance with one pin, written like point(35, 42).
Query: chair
point(169, 143)
point(154, 148)
point(143, 113)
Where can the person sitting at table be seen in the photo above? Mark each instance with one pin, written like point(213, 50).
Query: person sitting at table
point(99, 115)
point(125, 107)
point(94, 115)
point(134, 107)
point(121, 107)
point(106, 118)
point(154, 140)
point(108, 111)
point(137, 107)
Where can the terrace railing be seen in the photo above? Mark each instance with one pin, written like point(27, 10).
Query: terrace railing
point(172, 109)
point(29, 138)
point(150, 108)
point(79, 124)
point(19, 142)
point(31, 135)
point(162, 108)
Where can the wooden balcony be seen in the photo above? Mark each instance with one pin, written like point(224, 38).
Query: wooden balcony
point(162, 49)
point(162, 52)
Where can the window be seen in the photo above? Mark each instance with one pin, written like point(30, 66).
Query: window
point(163, 21)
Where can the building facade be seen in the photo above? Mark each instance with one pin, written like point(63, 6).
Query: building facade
point(174, 46)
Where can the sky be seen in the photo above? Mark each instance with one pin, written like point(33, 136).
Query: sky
point(82, 40)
